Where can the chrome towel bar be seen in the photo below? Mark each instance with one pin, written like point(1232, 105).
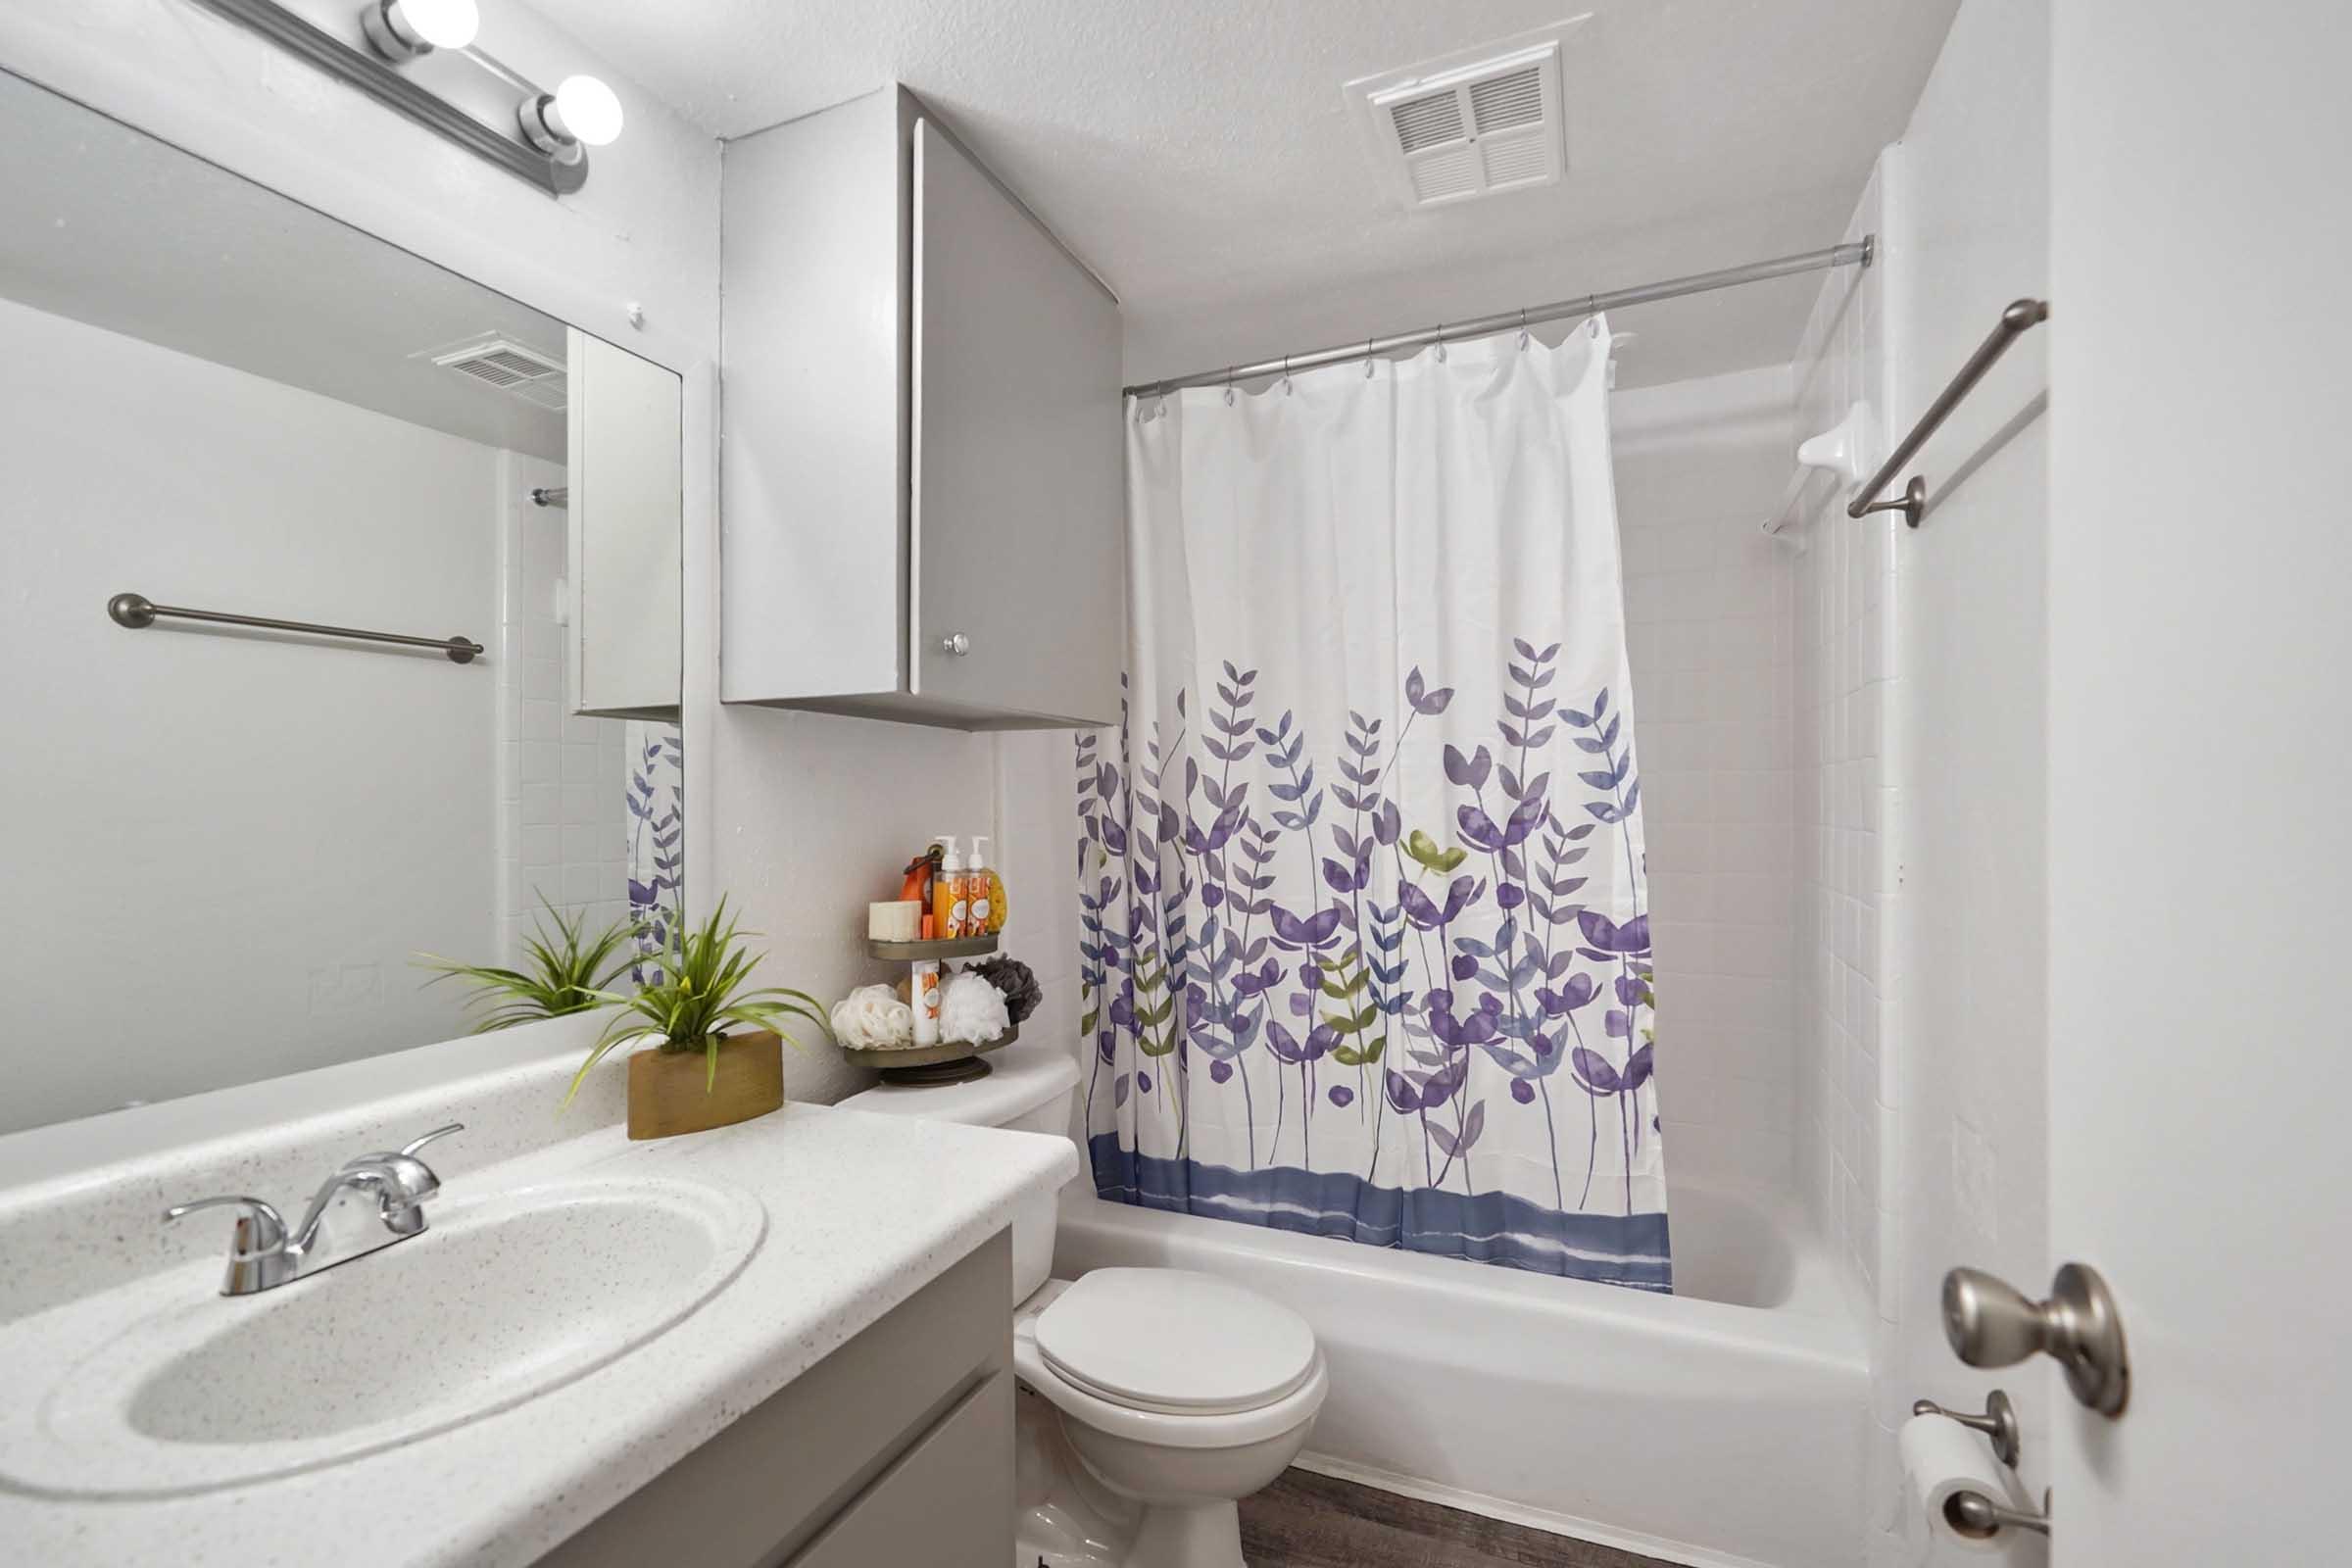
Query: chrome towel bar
point(137, 611)
point(2021, 316)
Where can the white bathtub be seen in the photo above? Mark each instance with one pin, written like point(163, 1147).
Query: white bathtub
point(1722, 1425)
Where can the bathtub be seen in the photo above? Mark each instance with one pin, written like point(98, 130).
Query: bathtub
point(1722, 1425)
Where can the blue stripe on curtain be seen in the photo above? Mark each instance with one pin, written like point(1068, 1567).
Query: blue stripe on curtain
point(1629, 1249)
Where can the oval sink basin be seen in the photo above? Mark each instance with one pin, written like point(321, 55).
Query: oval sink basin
point(504, 1298)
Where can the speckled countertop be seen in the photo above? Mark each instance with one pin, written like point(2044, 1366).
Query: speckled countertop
point(863, 1210)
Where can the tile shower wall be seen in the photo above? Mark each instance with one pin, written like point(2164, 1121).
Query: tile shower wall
point(1923, 742)
point(1711, 633)
point(1967, 1005)
point(563, 821)
point(1847, 879)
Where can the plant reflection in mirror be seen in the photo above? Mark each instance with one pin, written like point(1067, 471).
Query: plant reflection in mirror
point(566, 972)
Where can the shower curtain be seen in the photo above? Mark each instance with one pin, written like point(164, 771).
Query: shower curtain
point(1365, 950)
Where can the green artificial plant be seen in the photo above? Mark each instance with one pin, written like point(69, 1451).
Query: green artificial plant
point(701, 992)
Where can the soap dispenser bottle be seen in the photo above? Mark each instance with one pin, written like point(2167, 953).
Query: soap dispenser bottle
point(978, 881)
point(951, 912)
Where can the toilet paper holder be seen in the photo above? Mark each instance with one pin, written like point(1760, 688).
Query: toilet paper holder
point(1998, 1423)
point(1972, 1513)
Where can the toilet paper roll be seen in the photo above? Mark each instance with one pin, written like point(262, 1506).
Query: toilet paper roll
point(1941, 1457)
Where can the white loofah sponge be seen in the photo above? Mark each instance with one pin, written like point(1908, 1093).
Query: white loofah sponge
point(874, 1018)
point(972, 1011)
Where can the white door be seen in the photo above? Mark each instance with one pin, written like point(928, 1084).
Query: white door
point(2201, 771)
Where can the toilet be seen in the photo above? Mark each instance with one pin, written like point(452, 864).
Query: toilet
point(1151, 1400)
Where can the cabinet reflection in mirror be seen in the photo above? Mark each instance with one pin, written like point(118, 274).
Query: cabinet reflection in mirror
point(228, 843)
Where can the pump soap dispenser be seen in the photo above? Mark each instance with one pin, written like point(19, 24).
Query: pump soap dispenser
point(950, 908)
point(979, 881)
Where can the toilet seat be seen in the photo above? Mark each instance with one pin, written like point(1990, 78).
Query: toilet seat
point(1175, 1343)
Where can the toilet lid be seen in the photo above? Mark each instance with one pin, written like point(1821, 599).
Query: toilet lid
point(1168, 1339)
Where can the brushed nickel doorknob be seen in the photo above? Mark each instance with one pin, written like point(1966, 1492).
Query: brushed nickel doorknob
point(1990, 1323)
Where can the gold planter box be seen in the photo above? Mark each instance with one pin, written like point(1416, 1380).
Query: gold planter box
point(668, 1093)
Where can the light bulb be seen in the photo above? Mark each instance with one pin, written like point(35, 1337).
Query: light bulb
point(589, 111)
point(402, 30)
point(443, 24)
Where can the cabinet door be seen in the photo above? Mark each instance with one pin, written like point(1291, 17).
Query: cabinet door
point(624, 470)
point(946, 1503)
point(1020, 528)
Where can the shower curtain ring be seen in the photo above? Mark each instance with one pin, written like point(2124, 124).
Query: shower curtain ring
point(1229, 386)
point(1370, 360)
point(1523, 329)
point(1440, 342)
point(1286, 375)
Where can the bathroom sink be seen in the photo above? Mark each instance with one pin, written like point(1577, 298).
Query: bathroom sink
point(504, 1297)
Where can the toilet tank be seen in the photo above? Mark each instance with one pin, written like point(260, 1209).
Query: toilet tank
point(1028, 1090)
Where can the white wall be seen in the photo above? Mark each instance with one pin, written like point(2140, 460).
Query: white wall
point(225, 848)
point(1709, 632)
point(1923, 674)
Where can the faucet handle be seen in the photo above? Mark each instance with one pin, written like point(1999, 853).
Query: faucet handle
point(262, 1226)
point(410, 1149)
point(401, 1180)
point(259, 1255)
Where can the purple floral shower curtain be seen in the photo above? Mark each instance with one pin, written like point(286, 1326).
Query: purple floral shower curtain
point(1366, 950)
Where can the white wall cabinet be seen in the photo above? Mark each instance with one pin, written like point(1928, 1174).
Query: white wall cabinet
point(921, 486)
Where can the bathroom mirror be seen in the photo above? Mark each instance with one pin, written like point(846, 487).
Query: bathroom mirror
point(230, 841)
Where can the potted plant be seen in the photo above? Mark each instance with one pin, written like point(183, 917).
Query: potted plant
point(566, 972)
point(697, 1075)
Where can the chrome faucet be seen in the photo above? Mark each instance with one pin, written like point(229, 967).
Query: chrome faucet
point(261, 1255)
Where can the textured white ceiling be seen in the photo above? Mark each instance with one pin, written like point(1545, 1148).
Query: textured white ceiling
point(1197, 153)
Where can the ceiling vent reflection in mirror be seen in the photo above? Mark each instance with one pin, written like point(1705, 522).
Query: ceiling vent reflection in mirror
point(1476, 122)
point(510, 368)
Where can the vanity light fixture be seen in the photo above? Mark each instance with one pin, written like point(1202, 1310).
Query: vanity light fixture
point(553, 131)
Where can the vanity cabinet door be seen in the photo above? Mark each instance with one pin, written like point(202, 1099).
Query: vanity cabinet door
point(946, 1503)
point(1018, 515)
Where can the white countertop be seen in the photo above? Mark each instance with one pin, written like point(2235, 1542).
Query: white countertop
point(863, 1210)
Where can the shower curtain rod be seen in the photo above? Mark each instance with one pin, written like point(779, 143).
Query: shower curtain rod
point(1858, 253)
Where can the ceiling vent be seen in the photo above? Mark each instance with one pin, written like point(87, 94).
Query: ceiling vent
point(1471, 124)
point(510, 366)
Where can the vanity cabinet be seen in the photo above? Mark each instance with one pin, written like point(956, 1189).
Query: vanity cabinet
point(922, 478)
point(896, 1448)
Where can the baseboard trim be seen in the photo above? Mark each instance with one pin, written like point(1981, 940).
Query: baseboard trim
point(1559, 1524)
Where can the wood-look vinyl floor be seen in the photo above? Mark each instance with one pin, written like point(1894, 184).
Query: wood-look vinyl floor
point(1310, 1521)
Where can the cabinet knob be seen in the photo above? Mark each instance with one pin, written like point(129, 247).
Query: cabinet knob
point(955, 643)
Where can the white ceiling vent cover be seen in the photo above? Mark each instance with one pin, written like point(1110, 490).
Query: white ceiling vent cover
point(1471, 124)
point(510, 368)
